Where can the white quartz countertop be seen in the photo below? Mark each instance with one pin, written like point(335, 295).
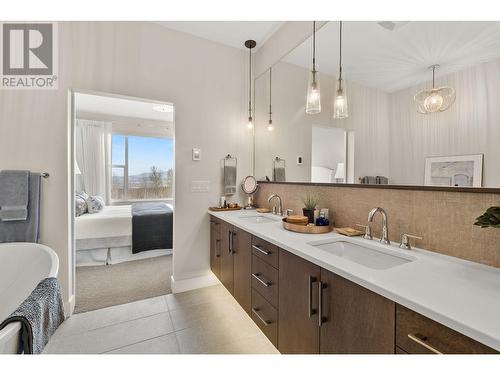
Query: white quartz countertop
point(462, 295)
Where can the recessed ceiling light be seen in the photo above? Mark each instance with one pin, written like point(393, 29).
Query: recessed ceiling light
point(162, 108)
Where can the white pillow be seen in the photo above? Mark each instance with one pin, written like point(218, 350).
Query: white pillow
point(95, 204)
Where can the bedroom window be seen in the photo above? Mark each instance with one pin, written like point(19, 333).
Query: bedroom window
point(142, 168)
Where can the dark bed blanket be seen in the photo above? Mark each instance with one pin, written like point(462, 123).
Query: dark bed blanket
point(152, 226)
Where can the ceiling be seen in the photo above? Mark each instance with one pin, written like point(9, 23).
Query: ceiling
point(396, 56)
point(229, 33)
point(123, 107)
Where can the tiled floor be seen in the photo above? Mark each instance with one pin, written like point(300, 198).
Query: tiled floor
point(205, 320)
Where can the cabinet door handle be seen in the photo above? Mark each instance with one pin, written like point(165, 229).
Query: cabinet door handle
point(258, 248)
point(420, 340)
point(263, 282)
point(311, 311)
point(264, 321)
point(217, 248)
point(233, 234)
point(321, 320)
point(230, 242)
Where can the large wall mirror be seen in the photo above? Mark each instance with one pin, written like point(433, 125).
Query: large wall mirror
point(399, 130)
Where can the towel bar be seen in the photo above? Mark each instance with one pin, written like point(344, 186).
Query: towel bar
point(45, 175)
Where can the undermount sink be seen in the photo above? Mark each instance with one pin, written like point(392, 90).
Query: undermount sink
point(258, 219)
point(368, 257)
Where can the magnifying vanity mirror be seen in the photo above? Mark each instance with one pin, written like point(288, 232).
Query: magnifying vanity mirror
point(249, 187)
point(422, 110)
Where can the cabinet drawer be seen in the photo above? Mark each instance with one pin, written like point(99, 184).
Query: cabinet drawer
point(265, 251)
point(265, 316)
point(265, 280)
point(215, 224)
point(417, 334)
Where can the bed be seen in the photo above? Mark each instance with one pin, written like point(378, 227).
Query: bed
point(106, 237)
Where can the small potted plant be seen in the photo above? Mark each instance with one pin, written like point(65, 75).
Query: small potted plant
point(491, 218)
point(310, 202)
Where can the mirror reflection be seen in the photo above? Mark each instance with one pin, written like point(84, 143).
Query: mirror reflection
point(406, 103)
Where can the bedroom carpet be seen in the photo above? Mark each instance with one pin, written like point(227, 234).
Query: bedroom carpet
point(102, 286)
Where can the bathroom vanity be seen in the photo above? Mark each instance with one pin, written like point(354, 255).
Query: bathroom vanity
point(332, 294)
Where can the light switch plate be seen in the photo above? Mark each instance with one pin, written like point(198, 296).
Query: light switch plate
point(300, 160)
point(200, 186)
point(196, 154)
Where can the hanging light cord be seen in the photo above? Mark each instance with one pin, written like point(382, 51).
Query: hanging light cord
point(314, 46)
point(270, 95)
point(340, 56)
point(250, 84)
point(433, 71)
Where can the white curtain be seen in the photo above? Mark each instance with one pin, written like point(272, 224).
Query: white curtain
point(93, 155)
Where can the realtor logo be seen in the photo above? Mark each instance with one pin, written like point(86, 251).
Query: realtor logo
point(29, 56)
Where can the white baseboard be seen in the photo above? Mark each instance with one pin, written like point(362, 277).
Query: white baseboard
point(69, 306)
point(179, 286)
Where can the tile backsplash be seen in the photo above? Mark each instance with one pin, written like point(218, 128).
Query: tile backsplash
point(444, 219)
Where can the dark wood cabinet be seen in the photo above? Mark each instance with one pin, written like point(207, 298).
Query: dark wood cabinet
point(298, 324)
point(226, 257)
point(417, 334)
point(355, 319)
point(215, 245)
point(242, 263)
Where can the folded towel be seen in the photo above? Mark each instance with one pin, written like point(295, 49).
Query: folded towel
point(25, 230)
point(14, 187)
point(229, 179)
point(279, 174)
point(40, 315)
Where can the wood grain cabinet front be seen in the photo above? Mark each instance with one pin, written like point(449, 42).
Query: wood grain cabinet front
point(355, 319)
point(215, 246)
point(417, 334)
point(242, 268)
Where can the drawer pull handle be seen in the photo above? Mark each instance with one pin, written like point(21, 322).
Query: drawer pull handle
point(256, 247)
point(264, 321)
point(263, 282)
point(321, 320)
point(311, 311)
point(420, 339)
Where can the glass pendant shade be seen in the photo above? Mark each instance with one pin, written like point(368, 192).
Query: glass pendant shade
point(250, 123)
point(270, 126)
point(313, 104)
point(434, 100)
point(340, 108)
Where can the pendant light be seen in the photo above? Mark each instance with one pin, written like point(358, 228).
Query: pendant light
point(250, 44)
point(313, 104)
point(436, 99)
point(340, 110)
point(270, 125)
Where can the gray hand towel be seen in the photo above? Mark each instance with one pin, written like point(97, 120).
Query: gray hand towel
point(279, 174)
point(14, 187)
point(27, 230)
point(229, 179)
point(40, 315)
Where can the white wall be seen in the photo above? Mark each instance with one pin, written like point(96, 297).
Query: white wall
point(206, 83)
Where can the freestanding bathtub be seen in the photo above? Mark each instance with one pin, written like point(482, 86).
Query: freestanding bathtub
point(22, 266)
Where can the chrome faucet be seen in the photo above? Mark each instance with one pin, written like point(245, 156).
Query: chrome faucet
point(279, 211)
point(385, 231)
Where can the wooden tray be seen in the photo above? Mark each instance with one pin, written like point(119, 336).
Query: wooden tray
point(224, 208)
point(308, 229)
point(350, 232)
